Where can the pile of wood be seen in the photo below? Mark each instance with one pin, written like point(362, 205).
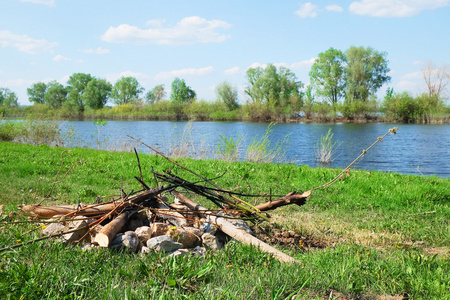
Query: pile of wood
point(146, 221)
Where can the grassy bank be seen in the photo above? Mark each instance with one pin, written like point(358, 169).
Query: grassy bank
point(371, 234)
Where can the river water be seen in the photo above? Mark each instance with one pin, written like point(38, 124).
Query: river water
point(415, 149)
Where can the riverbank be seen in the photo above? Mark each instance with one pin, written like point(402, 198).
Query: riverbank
point(205, 111)
point(370, 234)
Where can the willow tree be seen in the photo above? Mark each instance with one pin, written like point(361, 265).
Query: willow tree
point(228, 95)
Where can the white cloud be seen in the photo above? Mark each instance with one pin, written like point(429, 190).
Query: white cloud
point(44, 2)
point(232, 71)
point(334, 7)
point(16, 82)
point(24, 43)
point(307, 10)
point(304, 64)
point(98, 50)
point(413, 75)
point(257, 65)
point(185, 72)
point(60, 57)
point(189, 30)
point(398, 8)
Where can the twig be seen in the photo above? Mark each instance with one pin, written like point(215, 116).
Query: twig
point(379, 139)
point(140, 171)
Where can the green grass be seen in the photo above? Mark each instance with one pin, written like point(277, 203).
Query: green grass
point(379, 233)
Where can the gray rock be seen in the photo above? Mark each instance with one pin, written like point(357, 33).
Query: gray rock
point(80, 234)
point(128, 240)
point(144, 233)
point(212, 242)
point(163, 243)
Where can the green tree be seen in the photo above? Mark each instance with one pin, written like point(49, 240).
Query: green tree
point(125, 90)
point(228, 95)
point(366, 71)
point(181, 93)
point(56, 95)
point(272, 86)
point(76, 86)
point(8, 98)
point(96, 94)
point(327, 76)
point(156, 94)
point(37, 92)
point(309, 102)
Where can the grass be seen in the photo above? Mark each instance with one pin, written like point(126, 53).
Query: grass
point(369, 235)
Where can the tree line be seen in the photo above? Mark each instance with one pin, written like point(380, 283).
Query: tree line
point(341, 83)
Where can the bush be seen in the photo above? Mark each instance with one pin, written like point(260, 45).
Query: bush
point(401, 106)
point(9, 131)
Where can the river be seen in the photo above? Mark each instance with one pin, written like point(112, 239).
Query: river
point(415, 149)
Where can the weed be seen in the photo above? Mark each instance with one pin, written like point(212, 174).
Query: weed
point(99, 123)
point(261, 151)
point(228, 149)
point(326, 148)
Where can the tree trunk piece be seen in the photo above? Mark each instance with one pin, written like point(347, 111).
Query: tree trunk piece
point(110, 230)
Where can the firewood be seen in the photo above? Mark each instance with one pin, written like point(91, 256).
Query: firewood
point(290, 198)
point(237, 234)
point(109, 231)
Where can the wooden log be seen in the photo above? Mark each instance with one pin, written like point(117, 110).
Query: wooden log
point(45, 212)
point(234, 232)
point(290, 198)
point(110, 230)
point(91, 210)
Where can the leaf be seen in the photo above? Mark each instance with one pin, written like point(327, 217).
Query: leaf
point(171, 282)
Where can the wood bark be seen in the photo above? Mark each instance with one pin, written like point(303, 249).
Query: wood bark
point(91, 210)
point(45, 212)
point(234, 232)
point(109, 231)
point(290, 198)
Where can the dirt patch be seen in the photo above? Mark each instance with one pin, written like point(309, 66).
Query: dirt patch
point(288, 238)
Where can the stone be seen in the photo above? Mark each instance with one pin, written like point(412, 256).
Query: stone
point(212, 242)
point(190, 237)
point(53, 228)
point(128, 240)
point(79, 235)
point(159, 229)
point(145, 250)
point(144, 233)
point(163, 243)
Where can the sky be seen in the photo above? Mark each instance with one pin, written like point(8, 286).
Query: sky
point(207, 42)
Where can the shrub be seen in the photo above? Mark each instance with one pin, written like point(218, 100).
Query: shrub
point(9, 131)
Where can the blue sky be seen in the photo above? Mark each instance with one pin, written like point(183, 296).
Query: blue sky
point(208, 42)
